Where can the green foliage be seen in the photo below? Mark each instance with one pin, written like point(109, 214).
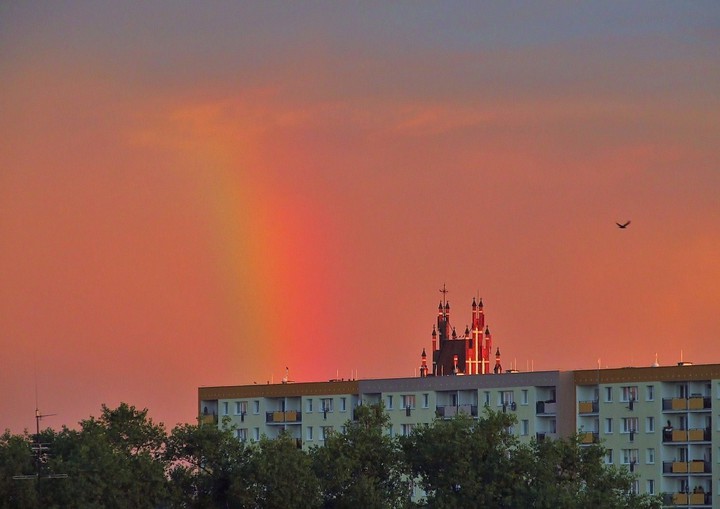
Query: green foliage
point(16, 458)
point(205, 464)
point(281, 476)
point(123, 460)
point(463, 462)
point(362, 467)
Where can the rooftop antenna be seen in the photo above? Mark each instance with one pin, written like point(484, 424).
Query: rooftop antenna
point(41, 450)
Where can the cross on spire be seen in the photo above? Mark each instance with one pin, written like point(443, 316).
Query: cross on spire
point(444, 291)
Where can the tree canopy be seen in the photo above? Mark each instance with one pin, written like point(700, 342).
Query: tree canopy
point(123, 459)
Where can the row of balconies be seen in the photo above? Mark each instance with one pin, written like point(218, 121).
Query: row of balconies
point(280, 417)
point(687, 467)
point(697, 498)
point(687, 435)
point(542, 436)
point(668, 404)
point(682, 404)
point(448, 411)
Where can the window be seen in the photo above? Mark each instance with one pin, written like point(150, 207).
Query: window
point(225, 408)
point(240, 407)
point(407, 429)
point(524, 427)
point(650, 424)
point(650, 487)
point(553, 426)
point(630, 424)
point(635, 487)
point(256, 406)
point(309, 433)
point(389, 402)
point(609, 457)
point(241, 434)
point(309, 405)
point(408, 401)
point(256, 434)
point(487, 398)
point(391, 430)
point(608, 394)
point(326, 405)
point(608, 425)
point(426, 400)
point(506, 397)
point(650, 393)
point(524, 397)
point(629, 456)
point(629, 393)
point(650, 456)
point(325, 431)
point(343, 404)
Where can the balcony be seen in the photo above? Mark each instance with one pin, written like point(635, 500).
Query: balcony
point(588, 407)
point(693, 403)
point(589, 437)
point(682, 467)
point(696, 498)
point(208, 419)
point(542, 436)
point(546, 408)
point(674, 435)
point(449, 411)
point(289, 416)
point(690, 435)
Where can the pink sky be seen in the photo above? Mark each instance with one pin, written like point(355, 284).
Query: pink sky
point(194, 196)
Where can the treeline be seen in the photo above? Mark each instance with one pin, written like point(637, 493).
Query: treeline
point(124, 460)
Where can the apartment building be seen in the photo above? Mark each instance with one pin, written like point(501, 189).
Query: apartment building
point(656, 421)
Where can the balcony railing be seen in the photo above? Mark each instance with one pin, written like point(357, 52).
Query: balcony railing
point(683, 404)
point(588, 407)
point(696, 498)
point(690, 435)
point(683, 467)
point(448, 411)
point(280, 417)
point(589, 437)
point(544, 435)
point(546, 408)
point(209, 419)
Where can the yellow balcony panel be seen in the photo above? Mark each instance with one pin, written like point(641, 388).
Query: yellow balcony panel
point(679, 435)
point(695, 404)
point(679, 404)
point(291, 415)
point(697, 499)
point(586, 438)
point(278, 416)
point(585, 407)
point(208, 419)
point(697, 466)
point(679, 467)
point(680, 498)
point(696, 435)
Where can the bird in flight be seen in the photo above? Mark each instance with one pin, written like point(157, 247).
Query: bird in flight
point(624, 225)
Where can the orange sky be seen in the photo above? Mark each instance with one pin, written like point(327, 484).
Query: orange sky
point(194, 196)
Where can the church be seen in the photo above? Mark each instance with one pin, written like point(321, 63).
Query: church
point(466, 354)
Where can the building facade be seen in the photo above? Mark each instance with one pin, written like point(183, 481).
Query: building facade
point(658, 421)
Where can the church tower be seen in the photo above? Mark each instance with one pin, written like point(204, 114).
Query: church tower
point(466, 354)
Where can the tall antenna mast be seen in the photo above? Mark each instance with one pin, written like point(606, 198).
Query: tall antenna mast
point(41, 450)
